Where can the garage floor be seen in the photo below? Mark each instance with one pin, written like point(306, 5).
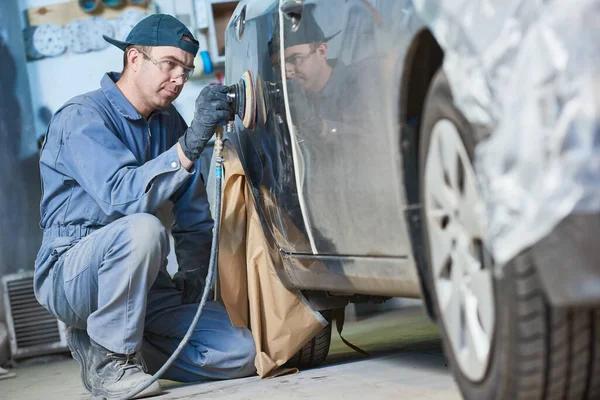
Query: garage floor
point(406, 362)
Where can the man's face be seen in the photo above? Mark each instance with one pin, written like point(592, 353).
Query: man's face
point(160, 86)
point(305, 64)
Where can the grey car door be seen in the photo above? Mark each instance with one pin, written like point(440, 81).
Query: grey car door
point(340, 89)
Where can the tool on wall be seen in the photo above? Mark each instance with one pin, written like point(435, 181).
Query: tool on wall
point(80, 35)
point(89, 6)
point(92, 6)
point(44, 41)
point(113, 3)
point(243, 101)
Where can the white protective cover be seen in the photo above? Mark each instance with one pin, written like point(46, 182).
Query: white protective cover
point(530, 71)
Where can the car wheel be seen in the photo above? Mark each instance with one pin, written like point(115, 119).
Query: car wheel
point(313, 353)
point(502, 338)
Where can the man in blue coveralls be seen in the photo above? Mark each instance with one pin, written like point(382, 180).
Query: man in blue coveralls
point(111, 158)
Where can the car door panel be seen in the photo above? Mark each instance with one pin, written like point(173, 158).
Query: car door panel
point(343, 115)
point(326, 180)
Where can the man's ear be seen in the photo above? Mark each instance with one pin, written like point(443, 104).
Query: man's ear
point(322, 49)
point(133, 58)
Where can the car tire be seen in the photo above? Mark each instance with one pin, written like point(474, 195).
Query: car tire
point(313, 353)
point(536, 351)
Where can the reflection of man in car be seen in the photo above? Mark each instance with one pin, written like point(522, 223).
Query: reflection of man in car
point(331, 108)
point(306, 62)
point(326, 95)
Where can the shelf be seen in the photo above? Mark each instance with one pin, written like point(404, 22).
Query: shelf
point(63, 13)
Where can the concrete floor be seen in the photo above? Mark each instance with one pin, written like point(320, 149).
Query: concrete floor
point(406, 361)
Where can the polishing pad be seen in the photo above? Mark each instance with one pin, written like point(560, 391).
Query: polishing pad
point(261, 107)
point(249, 114)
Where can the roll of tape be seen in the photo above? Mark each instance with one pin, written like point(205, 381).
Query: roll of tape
point(113, 3)
point(89, 6)
point(207, 62)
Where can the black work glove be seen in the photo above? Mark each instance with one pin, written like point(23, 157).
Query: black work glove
point(191, 283)
point(212, 108)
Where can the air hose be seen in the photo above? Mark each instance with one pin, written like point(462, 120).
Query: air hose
point(244, 105)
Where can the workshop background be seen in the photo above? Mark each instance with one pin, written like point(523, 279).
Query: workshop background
point(50, 51)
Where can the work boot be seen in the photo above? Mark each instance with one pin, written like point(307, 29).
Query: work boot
point(79, 344)
point(107, 374)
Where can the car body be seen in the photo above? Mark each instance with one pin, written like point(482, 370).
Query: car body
point(360, 166)
point(276, 166)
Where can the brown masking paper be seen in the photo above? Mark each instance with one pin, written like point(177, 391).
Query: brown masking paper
point(281, 320)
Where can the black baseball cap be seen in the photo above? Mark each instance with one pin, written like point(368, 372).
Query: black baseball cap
point(158, 30)
point(308, 30)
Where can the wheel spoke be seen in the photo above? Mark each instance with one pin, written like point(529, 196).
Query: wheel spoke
point(451, 310)
point(437, 215)
point(449, 156)
point(471, 262)
point(482, 289)
point(441, 247)
point(471, 215)
point(438, 194)
point(476, 340)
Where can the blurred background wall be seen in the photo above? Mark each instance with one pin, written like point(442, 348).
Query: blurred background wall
point(20, 187)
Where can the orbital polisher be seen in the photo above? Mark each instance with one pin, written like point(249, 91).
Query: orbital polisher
point(243, 99)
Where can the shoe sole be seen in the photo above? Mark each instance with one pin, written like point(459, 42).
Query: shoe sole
point(152, 390)
point(79, 357)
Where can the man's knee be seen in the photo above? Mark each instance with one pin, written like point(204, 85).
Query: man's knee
point(143, 239)
point(243, 354)
point(233, 358)
point(248, 353)
point(147, 234)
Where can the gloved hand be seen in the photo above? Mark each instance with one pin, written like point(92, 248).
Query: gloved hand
point(191, 283)
point(212, 108)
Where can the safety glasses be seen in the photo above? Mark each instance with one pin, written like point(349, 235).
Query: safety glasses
point(170, 67)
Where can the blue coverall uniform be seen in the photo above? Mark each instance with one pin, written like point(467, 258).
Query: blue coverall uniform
point(102, 265)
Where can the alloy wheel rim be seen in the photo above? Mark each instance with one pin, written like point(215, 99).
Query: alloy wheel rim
point(461, 266)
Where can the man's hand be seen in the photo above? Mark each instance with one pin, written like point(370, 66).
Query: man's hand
point(212, 108)
point(191, 283)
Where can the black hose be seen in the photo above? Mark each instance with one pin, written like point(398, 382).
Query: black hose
point(214, 253)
